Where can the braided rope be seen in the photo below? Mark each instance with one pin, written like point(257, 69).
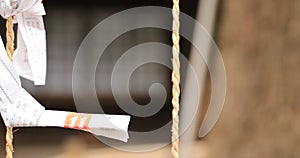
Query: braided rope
point(9, 142)
point(10, 37)
point(175, 79)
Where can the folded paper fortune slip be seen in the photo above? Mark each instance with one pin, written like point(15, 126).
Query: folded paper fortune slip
point(30, 57)
point(19, 109)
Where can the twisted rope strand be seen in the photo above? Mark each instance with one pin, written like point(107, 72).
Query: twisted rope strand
point(175, 79)
point(10, 37)
point(9, 142)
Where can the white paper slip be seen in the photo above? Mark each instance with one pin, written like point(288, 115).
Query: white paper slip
point(21, 62)
point(24, 111)
point(9, 80)
point(20, 109)
point(17, 107)
point(30, 58)
point(111, 126)
point(37, 8)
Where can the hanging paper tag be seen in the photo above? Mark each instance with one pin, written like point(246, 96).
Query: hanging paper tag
point(17, 107)
point(111, 126)
point(30, 57)
point(21, 62)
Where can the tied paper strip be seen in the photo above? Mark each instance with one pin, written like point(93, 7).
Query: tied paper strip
point(19, 109)
point(30, 58)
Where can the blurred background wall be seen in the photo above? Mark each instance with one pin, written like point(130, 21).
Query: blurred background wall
point(259, 41)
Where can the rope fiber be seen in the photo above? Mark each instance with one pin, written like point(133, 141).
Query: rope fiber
point(10, 37)
point(175, 79)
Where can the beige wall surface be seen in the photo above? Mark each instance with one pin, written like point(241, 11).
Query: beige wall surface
point(259, 41)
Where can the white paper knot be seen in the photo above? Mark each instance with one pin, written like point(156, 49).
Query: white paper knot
point(30, 56)
point(10, 8)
